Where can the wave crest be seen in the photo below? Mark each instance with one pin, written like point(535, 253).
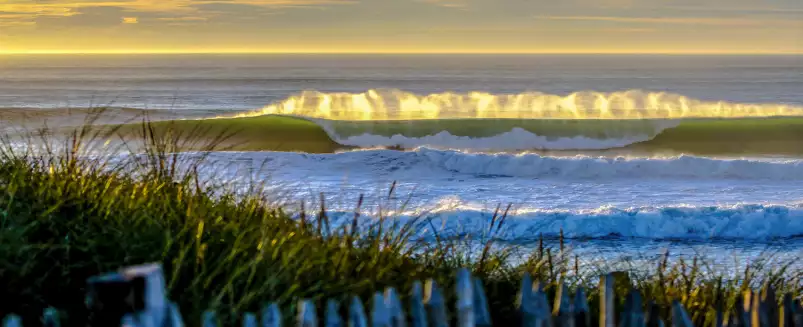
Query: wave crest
point(402, 105)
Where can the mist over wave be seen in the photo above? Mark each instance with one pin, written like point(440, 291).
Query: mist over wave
point(583, 120)
point(402, 105)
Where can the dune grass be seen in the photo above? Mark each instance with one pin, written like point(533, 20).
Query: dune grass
point(66, 216)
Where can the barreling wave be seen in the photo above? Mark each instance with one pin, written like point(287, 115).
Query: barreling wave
point(738, 222)
point(528, 121)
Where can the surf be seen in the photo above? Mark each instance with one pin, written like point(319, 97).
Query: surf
point(584, 120)
point(754, 222)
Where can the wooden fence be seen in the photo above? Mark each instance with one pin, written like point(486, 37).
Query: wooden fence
point(135, 297)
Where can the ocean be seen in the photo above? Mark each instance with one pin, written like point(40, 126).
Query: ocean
point(628, 155)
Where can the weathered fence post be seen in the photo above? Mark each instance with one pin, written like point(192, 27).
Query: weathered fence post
point(135, 293)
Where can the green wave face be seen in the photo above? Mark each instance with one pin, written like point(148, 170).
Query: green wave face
point(739, 137)
point(765, 136)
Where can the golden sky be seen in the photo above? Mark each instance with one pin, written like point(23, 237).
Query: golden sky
point(484, 26)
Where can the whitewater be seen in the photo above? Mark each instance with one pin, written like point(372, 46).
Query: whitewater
point(657, 198)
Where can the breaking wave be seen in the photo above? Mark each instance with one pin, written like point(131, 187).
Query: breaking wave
point(584, 120)
point(406, 165)
point(740, 222)
point(402, 105)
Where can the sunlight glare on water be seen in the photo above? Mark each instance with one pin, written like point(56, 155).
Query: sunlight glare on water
point(402, 105)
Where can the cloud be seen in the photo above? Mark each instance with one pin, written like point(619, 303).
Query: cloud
point(711, 21)
point(447, 3)
point(34, 11)
point(130, 20)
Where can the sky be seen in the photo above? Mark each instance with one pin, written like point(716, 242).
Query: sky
point(402, 26)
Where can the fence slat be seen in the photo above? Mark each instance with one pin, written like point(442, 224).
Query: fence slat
point(332, 318)
point(307, 314)
point(582, 312)
point(12, 321)
point(174, 316)
point(606, 304)
point(50, 318)
point(654, 316)
point(525, 301)
point(209, 319)
point(785, 312)
point(357, 316)
point(435, 304)
point(543, 317)
point(482, 313)
point(249, 320)
point(417, 311)
point(379, 312)
point(680, 318)
point(633, 316)
point(562, 309)
point(271, 316)
point(758, 312)
point(395, 308)
point(769, 301)
point(465, 299)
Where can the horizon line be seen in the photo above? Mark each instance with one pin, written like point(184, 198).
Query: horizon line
point(166, 52)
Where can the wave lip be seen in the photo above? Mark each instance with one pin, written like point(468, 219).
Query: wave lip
point(402, 105)
point(739, 222)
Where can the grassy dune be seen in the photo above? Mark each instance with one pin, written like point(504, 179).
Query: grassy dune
point(66, 217)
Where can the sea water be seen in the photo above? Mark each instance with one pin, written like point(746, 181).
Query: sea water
point(614, 206)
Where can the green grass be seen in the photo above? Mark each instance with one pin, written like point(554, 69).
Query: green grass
point(66, 217)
